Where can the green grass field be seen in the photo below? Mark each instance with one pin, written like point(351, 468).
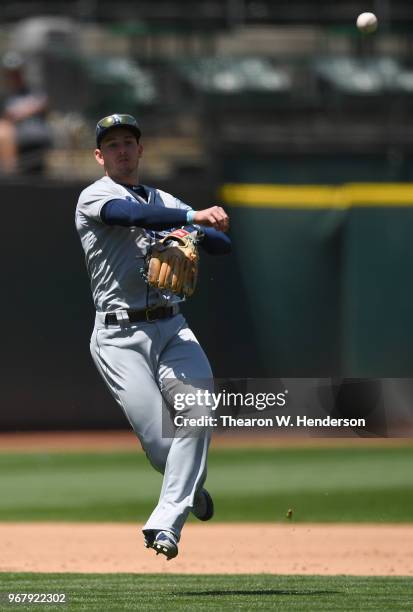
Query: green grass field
point(325, 485)
point(229, 592)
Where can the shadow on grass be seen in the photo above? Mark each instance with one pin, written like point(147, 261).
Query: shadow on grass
point(256, 592)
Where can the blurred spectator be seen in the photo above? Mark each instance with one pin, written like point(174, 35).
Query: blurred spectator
point(24, 131)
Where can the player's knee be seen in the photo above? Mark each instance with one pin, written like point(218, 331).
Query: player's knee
point(157, 453)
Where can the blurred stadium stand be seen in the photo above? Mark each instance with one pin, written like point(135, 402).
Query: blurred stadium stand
point(204, 12)
point(289, 78)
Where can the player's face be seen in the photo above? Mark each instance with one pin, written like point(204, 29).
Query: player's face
point(120, 153)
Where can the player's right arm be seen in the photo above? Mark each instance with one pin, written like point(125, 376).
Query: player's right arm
point(128, 213)
point(215, 217)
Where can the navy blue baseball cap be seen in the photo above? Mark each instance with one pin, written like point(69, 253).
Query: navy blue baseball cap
point(111, 121)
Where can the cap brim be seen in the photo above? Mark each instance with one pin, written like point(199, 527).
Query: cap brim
point(104, 131)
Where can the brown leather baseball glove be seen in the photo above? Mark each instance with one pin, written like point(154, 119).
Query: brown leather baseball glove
point(172, 263)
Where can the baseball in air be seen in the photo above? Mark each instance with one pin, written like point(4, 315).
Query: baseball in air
point(367, 23)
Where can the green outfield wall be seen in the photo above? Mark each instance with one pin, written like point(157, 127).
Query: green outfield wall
point(328, 270)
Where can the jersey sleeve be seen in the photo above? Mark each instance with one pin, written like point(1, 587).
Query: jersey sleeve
point(170, 201)
point(181, 205)
point(93, 198)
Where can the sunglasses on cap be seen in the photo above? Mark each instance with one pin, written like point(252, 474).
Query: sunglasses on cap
point(115, 120)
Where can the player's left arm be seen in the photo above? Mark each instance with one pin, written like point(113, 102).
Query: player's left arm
point(211, 240)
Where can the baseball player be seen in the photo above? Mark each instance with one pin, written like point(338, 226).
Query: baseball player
point(141, 342)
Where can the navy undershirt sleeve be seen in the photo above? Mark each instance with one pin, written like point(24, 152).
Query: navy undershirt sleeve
point(128, 213)
point(215, 242)
point(133, 214)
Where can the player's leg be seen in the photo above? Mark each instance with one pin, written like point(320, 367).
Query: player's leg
point(126, 359)
point(185, 472)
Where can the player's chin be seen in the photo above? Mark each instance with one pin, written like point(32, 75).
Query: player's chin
point(125, 167)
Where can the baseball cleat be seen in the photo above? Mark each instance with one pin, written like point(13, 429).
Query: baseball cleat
point(149, 537)
point(203, 506)
point(165, 544)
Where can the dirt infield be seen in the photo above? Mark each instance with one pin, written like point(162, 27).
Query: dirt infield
point(374, 550)
point(359, 549)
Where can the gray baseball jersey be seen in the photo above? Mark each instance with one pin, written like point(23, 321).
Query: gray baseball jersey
point(114, 255)
point(142, 363)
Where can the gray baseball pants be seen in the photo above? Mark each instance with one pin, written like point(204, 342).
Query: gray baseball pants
point(142, 364)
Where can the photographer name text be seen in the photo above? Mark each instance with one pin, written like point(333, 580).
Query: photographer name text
point(274, 422)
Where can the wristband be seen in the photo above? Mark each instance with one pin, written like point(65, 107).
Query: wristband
point(190, 216)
